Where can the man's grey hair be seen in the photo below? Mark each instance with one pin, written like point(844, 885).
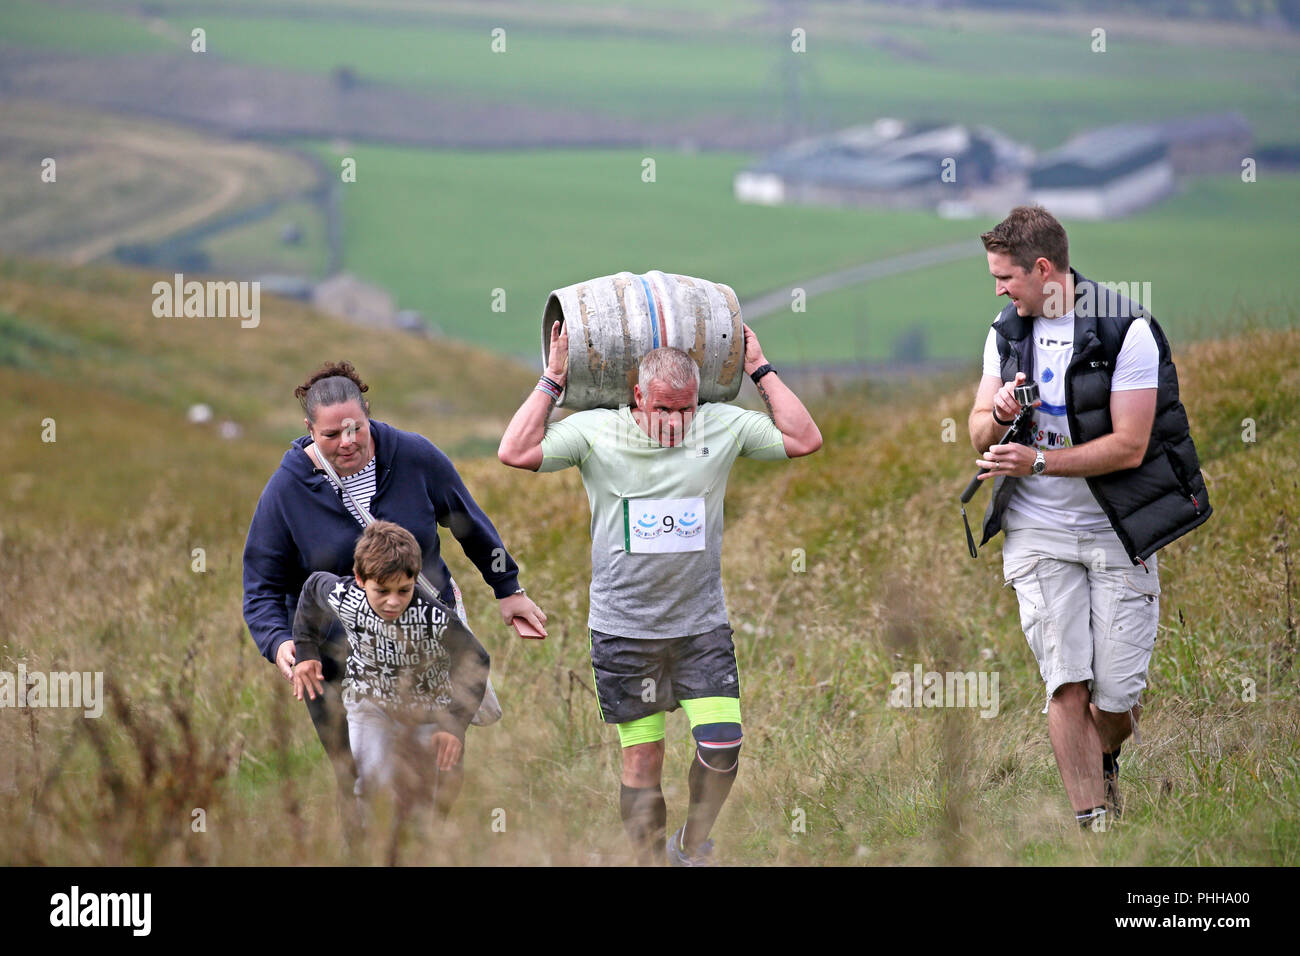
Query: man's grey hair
point(668, 366)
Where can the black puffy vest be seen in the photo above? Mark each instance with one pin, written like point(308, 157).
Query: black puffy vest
point(1164, 497)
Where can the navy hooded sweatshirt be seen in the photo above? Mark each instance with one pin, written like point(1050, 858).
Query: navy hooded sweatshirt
point(301, 525)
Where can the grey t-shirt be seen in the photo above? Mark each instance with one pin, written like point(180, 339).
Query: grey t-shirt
point(656, 513)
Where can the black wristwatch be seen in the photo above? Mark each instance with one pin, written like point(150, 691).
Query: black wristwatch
point(761, 371)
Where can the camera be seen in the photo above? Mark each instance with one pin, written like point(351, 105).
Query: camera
point(1027, 394)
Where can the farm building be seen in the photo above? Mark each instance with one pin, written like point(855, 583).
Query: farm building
point(889, 163)
point(962, 171)
point(1104, 173)
point(1209, 143)
point(1117, 170)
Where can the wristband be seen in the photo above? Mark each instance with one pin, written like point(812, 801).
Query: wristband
point(999, 421)
point(549, 387)
point(760, 372)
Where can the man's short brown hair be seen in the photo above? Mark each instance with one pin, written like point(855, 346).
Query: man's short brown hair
point(1028, 234)
point(385, 551)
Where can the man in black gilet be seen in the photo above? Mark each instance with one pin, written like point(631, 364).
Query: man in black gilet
point(1103, 476)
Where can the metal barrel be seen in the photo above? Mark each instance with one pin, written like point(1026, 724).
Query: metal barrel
point(614, 320)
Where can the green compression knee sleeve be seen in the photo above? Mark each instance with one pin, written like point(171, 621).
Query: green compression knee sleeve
point(643, 730)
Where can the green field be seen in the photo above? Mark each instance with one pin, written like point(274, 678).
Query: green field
point(1215, 257)
point(256, 248)
point(27, 23)
point(1044, 88)
point(1046, 85)
point(445, 228)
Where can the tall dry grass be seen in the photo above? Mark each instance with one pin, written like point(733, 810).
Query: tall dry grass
point(96, 565)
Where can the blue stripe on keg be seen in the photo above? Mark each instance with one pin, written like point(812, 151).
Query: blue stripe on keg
point(653, 308)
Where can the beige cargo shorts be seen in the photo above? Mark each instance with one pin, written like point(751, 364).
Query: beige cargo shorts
point(1088, 613)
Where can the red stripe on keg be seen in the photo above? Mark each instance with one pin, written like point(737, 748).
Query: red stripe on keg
point(659, 313)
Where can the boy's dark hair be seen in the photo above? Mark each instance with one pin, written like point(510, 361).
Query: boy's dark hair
point(1028, 234)
point(386, 550)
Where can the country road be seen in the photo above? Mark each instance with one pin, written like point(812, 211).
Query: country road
point(779, 300)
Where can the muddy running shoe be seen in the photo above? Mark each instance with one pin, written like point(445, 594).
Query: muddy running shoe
point(1110, 778)
point(703, 855)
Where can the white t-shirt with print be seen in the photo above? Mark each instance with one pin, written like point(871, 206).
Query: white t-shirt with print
point(1053, 501)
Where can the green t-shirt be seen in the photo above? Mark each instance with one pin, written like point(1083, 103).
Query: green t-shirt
point(656, 513)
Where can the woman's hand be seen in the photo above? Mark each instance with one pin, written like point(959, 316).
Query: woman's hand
point(284, 659)
point(521, 605)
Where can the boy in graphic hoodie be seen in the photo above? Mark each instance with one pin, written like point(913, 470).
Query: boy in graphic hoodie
point(415, 674)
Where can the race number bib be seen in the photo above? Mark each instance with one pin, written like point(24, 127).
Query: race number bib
point(663, 525)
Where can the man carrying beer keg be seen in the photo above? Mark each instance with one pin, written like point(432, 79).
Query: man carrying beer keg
point(1104, 476)
point(656, 477)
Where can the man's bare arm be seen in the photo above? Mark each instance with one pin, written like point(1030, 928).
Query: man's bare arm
point(984, 431)
point(799, 432)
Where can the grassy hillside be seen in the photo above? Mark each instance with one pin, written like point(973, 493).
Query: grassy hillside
point(98, 536)
point(122, 180)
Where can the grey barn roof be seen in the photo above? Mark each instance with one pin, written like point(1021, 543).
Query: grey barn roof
point(1100, 155)
point(863, 157)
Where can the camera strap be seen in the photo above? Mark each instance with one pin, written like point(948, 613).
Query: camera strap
point(1016, 425)
point(970, 538)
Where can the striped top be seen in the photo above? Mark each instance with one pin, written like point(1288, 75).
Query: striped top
point(360, 486)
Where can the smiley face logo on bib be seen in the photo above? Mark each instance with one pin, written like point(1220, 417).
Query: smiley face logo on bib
point(657, 525)
point(689, 525)
point(648, 527)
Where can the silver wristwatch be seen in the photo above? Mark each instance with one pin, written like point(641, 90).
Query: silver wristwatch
point(1040, 463)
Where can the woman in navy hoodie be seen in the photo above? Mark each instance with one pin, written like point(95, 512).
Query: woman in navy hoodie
point(303, 524)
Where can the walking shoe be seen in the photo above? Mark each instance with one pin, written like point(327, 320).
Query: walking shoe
point(1110, 778)
point(703, 855)
point(1094, 820)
